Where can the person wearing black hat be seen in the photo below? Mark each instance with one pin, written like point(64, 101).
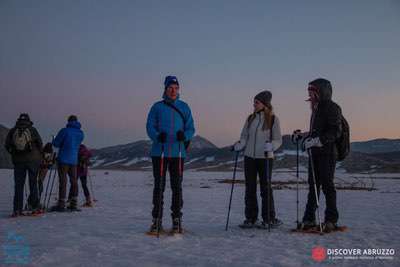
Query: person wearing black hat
point(260, 137)
point(68, 141)
point(325, 129)
point(24, 144)
point(170, 126)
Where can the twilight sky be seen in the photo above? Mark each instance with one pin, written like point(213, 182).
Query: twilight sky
point(106, 60)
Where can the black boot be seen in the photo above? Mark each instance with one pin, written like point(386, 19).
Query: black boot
point(328, 227)
point(247, 224)
point(274, 224)
point(57, 208)
point(177, 225)
point(307, 225)
point(155, 225)
point(73, 206)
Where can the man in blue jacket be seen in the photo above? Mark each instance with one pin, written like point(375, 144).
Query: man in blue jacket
point(170, 126)
point(68, 141)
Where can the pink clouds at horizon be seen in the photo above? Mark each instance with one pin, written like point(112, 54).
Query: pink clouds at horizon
point(115, 111)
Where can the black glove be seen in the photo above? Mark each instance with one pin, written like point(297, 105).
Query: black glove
point(162, 138)
point(296, 136)
point(180, 135)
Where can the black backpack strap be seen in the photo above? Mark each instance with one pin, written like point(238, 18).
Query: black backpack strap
point(177, 110)
point(272, 125)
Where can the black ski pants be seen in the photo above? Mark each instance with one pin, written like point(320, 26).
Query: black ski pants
point(176, 176)
point(324, 169)
point(20, 171)
point(252, 168)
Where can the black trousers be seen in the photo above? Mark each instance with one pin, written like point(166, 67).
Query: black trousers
point(84, 187)
point(252, 167)
point(324, 168)
point(20, 171)
point(176, 176)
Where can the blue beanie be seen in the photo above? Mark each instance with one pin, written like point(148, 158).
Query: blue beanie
point(170, 80)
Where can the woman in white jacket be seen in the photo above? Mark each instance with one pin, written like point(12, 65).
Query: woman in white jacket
point(259, 143)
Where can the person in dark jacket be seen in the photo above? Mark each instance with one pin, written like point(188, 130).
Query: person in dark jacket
point(325, 129)
point(46, 163)
point(169, 125)
point(24, 144)
point(68, 141)
point(84, 156)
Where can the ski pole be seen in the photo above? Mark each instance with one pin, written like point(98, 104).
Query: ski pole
point(26, 195)
point(296, 137)
point(48, 181)
point(47, 189)
point(180, 180)
point(269, 194)
point(297, 184)
point(51, 188)
point(160, 191)
point(233, 184)
point(315, 189)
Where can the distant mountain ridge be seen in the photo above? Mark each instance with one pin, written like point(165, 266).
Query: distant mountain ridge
point(203, 155)
point(381, 145)
point(379, 155)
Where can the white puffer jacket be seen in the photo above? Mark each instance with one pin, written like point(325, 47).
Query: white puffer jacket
point(253, 138)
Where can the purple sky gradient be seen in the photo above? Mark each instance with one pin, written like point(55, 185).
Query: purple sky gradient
point(106, 63)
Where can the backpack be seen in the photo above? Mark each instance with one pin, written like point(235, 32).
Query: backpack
point(343, 142)
point(186, 143)
point(22, 139)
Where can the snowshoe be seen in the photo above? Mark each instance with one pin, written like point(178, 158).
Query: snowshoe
point(316, 230)
point(16, 214)
point(73, 208)
point(88, 204)
point(306, 225)
point(328, 227)
point(275, 223)
point(155, 226)
point(176, 226)
point(36, 212)
point(57, 208)
point(248, 224)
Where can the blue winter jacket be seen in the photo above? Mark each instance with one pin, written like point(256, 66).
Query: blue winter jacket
point(68, 140)
point(163, 118)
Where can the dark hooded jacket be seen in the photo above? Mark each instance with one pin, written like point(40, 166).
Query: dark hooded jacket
point(32, 156)
point(326, 121)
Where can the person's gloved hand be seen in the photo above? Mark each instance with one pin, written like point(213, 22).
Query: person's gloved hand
point(311, 142)
point(268, 147)
point(297, 136)
point(180, 135)
point(162, 138)
point(238, 146)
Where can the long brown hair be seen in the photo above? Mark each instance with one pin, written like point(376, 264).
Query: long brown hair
point(268, 113)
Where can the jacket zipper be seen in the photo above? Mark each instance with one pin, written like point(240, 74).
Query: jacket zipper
point(255, 135)
point(171, 136)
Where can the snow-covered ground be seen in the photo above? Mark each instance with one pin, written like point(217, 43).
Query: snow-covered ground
point(112, 233)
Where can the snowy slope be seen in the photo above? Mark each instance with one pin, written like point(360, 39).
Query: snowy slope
point(112, 233)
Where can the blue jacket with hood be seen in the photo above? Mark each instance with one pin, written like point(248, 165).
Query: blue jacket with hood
point(163, 118)
point(68, 141)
